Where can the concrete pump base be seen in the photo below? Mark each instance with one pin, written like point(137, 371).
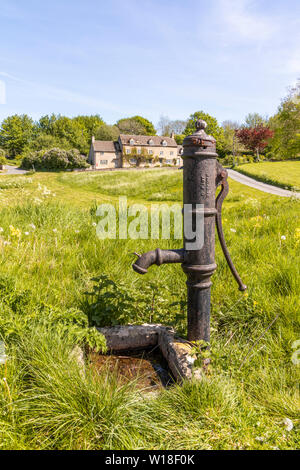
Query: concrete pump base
point(176, 351)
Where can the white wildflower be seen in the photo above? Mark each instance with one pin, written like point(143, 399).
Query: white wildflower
point(26, 233)
point(233, 230)
point(190, 359)
point(283, 237)
point(94, 224)
point(55, 230)
point(3, 355)
point(1, 230)
point(32, 226)
point(288, 424)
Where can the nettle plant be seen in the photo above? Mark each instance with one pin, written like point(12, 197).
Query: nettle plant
point(111, 303)
point(19, 315)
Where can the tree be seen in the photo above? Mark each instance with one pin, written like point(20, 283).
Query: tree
point(45, 124)
point(254, 138)
point(212, 128)
point(286, 126)
point(47, 141)
point(73, 131)
point(148, 126)
point(130, 126)
point(16, 133)
point(254, 120)
point(106, 132)
point(136, 125)
point(70, 132)
point(166, 126)
point(89, 123)
point(231, 144)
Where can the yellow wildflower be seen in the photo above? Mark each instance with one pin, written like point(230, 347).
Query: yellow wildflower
point(297, 233)
point(15, 232)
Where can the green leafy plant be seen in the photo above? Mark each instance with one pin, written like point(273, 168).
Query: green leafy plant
point(201, 349)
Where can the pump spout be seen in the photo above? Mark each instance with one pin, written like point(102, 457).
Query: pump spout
point(157, 257)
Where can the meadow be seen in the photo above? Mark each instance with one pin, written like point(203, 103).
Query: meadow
point(49, 256)
point(285, 174)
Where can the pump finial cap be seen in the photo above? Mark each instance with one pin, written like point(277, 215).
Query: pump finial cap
point(200, 124)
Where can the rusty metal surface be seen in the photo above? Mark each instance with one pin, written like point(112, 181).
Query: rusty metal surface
point(157, 257)
point(202, 174)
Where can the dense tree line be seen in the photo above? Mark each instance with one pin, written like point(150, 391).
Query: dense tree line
point(20, 135)
point(278, 137)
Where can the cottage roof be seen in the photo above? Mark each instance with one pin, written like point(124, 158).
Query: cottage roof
point(145, 140)
point(104, 146)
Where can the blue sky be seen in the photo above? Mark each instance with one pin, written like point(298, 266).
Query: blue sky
point(150, 57)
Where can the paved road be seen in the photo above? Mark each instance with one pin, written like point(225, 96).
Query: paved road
point(267, 188)
point(13, 170)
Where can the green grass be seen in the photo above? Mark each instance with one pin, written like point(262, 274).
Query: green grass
point(158, 185)
point(283, 174)
point(46, 402)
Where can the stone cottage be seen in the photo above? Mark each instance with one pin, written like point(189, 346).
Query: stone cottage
point(135, 150)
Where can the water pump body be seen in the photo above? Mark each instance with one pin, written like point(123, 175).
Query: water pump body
point(202, 174)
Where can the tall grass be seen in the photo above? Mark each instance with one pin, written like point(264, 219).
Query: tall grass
point(46, 400)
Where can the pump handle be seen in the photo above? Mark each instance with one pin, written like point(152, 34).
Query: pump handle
point(222, 176)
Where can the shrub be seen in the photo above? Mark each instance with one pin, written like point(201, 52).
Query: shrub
point(2, 160)
point(32, 160)
point(230, 160)
point(76, 160)
point(54, 159)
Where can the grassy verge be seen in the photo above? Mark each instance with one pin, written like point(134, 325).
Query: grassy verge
point(285, 175)
point(47, 261)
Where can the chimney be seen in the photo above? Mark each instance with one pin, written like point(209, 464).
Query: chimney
point(172, 135)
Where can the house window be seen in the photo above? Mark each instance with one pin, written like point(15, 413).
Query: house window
point(169, 162)
point(128, 151)
point(103, 162)
point(161, 152)
point(139, 151)
point(151, 142)
point(101, 153)
point(150, 152)
point(164, 143)
point(131, 141)
point(133, 161)
point(171, 153)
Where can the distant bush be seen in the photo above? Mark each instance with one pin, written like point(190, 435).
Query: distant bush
point(54, 159)
point(76, 160)
point(3, 160)
point(230, 160)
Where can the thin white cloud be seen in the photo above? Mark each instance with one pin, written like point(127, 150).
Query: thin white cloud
point(241, 20)
point(62, 95)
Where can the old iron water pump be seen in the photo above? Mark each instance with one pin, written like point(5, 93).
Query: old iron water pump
point(202, 174)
